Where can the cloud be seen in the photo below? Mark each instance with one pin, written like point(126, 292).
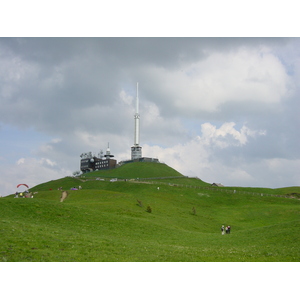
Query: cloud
point(31, 171)
point(204, 155)
point(243, 77)
point(226, 135)
point(211, 107)
point(20, 161)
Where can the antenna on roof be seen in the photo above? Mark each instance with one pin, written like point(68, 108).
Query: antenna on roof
point(108, 155)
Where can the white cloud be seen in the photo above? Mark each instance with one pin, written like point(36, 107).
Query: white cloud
point(197, 159)
point(200, 157)
point(47, 162)
point(241, 76)
point(21, 161)
point(127, 99)
point(31, 171)
point(226, 135)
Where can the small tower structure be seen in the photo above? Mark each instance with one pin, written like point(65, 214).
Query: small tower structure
point(107, 154)
point(136, 149)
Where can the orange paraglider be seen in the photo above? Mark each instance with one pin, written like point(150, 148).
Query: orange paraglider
point(23, 184)
point(22, 194)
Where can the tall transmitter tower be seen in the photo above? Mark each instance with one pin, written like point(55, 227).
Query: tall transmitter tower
point(136, 149)
point(89, 162)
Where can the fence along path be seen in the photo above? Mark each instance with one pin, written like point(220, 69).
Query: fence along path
point(220, 189)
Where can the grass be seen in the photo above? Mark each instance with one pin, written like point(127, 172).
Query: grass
point(108, 221)
point(137, 170)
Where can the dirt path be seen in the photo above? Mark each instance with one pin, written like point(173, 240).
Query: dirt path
point(64, 195)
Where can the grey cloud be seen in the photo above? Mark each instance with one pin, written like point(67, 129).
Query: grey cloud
point(68, 87)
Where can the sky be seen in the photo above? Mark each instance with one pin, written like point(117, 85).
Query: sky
point(221, 109)
point(225, 110)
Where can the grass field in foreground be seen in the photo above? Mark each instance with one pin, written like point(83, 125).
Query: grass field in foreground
point(108, 221)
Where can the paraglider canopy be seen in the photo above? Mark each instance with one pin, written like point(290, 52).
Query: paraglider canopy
point(23, 184)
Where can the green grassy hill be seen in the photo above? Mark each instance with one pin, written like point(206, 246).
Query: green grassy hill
point(110, 221)
point(137, 170)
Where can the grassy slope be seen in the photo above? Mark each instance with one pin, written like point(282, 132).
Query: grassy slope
point(137, 170)
point(103, 222)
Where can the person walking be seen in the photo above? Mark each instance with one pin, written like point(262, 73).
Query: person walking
point(222, 230)
point(228, 228)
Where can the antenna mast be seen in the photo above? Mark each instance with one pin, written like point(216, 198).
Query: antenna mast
point(136, 150)
point(137, 118)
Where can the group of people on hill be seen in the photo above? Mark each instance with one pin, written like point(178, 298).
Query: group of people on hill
point(75, 188)
point(225, 229)
point(25, 194)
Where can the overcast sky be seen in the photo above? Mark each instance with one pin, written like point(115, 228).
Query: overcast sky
point(223, 109)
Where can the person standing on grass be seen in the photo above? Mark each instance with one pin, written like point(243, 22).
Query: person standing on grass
point(228, 227)
point(222, 229)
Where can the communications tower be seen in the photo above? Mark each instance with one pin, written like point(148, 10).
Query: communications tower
point(136, 149)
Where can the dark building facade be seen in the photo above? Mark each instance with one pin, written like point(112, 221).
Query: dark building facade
point(90, 163)
point(95, 164)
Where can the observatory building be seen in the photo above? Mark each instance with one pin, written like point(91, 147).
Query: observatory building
point(90, 163)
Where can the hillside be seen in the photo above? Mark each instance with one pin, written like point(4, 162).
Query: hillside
point(137, 170)
point(111, 221)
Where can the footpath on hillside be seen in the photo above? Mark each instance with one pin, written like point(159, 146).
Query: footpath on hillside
point(64, 195)
point(222, 189)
